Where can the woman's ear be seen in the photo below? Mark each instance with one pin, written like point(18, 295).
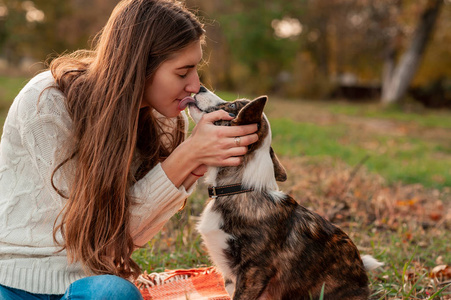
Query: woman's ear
point(251, 113)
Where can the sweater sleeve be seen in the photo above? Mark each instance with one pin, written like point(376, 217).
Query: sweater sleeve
point(156, 201)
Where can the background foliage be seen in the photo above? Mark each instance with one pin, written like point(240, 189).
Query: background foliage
point(338, 42)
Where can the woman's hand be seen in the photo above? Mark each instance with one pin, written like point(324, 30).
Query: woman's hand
point(220, 146)
point(208, 145)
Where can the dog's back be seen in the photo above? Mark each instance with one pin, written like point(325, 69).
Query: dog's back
point(280, 249)
point(317, 253)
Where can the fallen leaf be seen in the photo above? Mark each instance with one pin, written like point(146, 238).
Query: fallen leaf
point(408, 202)
point(441, 272)
point(435, 216)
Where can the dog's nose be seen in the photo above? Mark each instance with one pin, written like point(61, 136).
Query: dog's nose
point(202, 89)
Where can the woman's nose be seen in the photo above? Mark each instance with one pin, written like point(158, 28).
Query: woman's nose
point(194, 85)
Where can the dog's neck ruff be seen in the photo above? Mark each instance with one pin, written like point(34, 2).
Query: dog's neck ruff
point(227, 190)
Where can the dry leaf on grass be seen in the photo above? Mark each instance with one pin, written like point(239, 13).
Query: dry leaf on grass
point(441, 273)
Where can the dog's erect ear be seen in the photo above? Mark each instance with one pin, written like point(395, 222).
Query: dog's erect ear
point(252, 112)
point(279, 170)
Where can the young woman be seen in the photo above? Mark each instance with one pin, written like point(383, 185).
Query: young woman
point(94, 160)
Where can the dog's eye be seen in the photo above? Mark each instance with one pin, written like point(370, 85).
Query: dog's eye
point(232, 106)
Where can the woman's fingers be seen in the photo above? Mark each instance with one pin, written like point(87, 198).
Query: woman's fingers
point(232, 161)
point(243, 140)
point(237, 151)
point(240, 130)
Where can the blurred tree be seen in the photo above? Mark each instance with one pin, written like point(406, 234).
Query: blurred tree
point(249, 45)
point(27, 28)
point(436, 63)
point(41, 27)
point(349, 40)
point(397, 78)
point(248, 48)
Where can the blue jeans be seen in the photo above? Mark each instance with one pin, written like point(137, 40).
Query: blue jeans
point(99, 287)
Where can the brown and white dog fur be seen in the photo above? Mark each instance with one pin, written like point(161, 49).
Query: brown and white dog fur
point(265, 244)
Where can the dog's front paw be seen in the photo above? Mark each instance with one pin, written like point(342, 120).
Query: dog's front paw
point(230, 287)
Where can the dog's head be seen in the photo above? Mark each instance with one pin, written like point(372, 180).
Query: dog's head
point(246, 112)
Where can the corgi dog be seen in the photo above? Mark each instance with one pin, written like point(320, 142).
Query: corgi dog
point(264, 243)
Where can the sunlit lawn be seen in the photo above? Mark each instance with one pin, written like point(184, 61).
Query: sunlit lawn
point(400, 146)
point(9, 87)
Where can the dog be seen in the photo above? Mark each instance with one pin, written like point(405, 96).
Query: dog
point(264, 243)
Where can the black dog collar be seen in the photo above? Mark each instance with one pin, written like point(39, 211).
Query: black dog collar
point(227, 190)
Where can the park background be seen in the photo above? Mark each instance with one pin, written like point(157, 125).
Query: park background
point(359, 102)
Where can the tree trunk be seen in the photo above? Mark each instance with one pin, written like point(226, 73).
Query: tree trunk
point(388, 71)
point(397, 79)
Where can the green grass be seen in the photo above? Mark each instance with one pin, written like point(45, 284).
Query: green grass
point(424, 117)
point(402, 146)
point(406, 159)
point(9, 88)
point(406, 273)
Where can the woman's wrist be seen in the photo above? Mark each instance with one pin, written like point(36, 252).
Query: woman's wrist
point(179, 164)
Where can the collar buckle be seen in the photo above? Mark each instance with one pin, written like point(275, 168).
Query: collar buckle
point(213, 192)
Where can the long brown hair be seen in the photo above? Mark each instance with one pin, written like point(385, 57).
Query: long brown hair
point(104, 88)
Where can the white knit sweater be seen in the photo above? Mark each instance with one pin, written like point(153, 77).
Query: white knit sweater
point(35, 139)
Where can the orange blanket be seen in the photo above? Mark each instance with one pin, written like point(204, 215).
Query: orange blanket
point(193, 284)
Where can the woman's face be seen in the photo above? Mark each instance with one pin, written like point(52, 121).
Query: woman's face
point(174, 80)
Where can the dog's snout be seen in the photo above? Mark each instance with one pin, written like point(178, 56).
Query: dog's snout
point(202, 89)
